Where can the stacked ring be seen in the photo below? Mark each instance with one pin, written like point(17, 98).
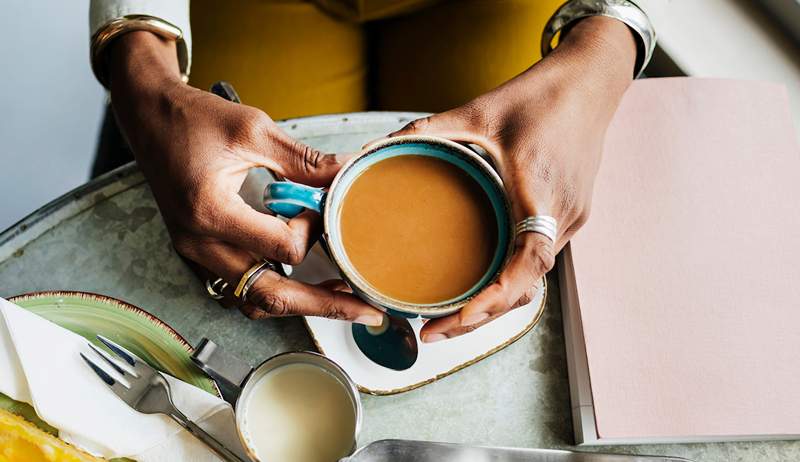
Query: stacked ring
point(251, 276)
point(215, 288)
point(252, 280)
point(541, 224)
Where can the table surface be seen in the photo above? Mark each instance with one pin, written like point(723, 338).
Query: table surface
point(107, 237)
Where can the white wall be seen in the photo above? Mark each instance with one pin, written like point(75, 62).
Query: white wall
point(50, 104)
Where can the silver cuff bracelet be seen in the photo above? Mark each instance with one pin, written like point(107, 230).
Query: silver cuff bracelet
point(119, 26)
point(622, 10)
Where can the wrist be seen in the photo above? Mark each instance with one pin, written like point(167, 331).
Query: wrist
point(600, 42)
point(142, 65)
point(591, 67)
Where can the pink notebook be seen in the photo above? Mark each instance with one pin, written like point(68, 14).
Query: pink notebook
point(681, 295)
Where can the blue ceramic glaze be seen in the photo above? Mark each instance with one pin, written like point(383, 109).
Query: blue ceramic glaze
point(289, 199)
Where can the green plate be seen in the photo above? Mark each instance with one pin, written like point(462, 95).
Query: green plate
point(89, 314)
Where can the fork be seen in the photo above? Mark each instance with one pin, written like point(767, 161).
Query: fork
point(147, 391)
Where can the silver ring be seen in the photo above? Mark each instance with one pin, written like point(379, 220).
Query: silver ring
point(215, 288)
point(269, 266)
point(542, 224)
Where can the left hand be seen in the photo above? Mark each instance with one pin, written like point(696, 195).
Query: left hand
point(544, 129)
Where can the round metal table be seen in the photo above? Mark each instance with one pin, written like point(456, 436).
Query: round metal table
point(107, 237)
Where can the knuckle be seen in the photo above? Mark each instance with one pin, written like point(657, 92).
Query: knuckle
point(257, 123)
point(294, 257)
point(270, 299)
point(544, 260)
point(543, 255)
point(183, 246)
point(331, 308)
point(309, 158)
point(286, 250)
point(418, 125)
point(251, 312)
point(526, 298)
point(274, 304)
point(250, 125)
point(186, 247)
point(499, 297)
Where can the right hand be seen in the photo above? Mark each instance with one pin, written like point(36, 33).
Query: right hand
point(195, 149)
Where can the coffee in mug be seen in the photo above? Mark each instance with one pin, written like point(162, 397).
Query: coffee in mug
point(418, 229)
point(417, 225)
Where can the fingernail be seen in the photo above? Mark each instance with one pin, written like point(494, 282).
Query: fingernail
point(473, 318)
point(371, 319)
point(432, 338)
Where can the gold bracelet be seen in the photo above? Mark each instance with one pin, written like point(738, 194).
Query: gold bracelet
point(119, 26)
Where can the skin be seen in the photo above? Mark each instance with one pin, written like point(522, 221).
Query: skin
point(544, 129)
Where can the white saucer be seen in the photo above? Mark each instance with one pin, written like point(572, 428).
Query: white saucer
point(436, 360)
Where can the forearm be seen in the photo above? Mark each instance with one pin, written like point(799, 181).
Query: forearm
point(143, 76)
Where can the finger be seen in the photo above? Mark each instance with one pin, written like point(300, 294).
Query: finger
point(527, 297)
point(300, 162)
point(533, 257)
point(275, 295)
point(455, 125)
point(337, 285)
point(447, 327)
point(265, 235)
point(439, 329)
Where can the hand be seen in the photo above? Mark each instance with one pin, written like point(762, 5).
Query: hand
point(195, 150)
point(545, 130)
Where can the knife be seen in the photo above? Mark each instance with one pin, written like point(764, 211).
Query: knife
point(426, 451)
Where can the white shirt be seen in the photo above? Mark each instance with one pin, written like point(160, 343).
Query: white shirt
point(175, 12)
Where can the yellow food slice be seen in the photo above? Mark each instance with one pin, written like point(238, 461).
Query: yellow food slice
point(21, 441)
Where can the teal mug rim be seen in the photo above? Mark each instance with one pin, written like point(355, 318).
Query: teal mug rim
point(297, 196)
point(493, 192)
point(497, 197)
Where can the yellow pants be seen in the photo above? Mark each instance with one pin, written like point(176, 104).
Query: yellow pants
point(291, 58)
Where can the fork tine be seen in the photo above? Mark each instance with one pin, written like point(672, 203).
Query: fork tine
point(126, 355)
point(111, 362)
point(116, 386)
point(99, 371)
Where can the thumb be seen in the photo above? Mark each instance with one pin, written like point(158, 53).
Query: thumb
point(533, 257)
point(451, 124)
point(302, 163)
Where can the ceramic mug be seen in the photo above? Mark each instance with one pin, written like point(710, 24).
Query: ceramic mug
point(288, 199)
point(237, 380)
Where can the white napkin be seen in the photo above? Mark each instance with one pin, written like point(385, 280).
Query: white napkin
point(40, 365)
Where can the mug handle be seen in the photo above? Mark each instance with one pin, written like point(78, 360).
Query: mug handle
point(288, 199)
